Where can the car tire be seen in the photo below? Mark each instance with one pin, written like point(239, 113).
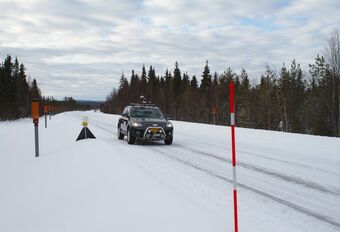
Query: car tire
point(119, 133)
point(168, 141)
point(130, 138)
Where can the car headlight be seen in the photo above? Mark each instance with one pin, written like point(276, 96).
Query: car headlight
point(168, 125)
point(136, 124)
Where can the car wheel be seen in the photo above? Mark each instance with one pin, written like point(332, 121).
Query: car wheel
point(130, 138)
point(168, 141)
point(119, 133)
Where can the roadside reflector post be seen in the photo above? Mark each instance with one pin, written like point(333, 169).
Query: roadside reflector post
point(85, 133)
point(85, 123)
point(45, 113)
point(35, 117)
point(214, 112)
point(50, 110)
point(232, 126)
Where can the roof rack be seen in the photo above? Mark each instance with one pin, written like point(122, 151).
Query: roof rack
point(143, 104)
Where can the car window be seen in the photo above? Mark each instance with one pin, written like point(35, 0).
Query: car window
point(125, 111)
point(146, 113)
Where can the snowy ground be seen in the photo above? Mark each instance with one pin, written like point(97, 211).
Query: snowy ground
point(287, 182)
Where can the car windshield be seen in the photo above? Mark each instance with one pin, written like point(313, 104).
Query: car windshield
point(146, 113)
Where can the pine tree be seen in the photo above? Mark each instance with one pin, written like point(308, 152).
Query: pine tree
point(194, 111)
point(169, 93)
point(177, 87)
point(319, 101)
point(224, 81)
point(143, 82)
point(152, 85)
point(206, 78)
point(123, 93)
point(313, 103)
point(206, 94)
point(298, 92)
point(285, 92)
point(177, 81)
point(193, 82)
point(23, 93)
point(243, 100)
point(35, 91)
point(134, 87)
point(185, 82)
point(215, 89)
point(186, 98)
point(266, 96)
point(8, 90)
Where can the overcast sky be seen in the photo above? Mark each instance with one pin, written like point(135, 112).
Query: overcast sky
point(80, 48)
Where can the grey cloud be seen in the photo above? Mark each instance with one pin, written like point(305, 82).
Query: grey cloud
point(81, 48)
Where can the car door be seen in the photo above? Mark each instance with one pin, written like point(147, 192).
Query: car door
point(124, 120)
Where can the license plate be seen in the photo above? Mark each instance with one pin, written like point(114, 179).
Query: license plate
point(154, 130)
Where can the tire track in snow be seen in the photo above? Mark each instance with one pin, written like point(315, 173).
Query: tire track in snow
point(251, 153)
point(289, 204)
point(292, 179)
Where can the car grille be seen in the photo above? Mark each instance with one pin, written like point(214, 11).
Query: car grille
point(149, 124)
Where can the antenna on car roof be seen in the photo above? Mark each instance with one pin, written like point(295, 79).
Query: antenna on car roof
point(143, 102)
point(142, 99)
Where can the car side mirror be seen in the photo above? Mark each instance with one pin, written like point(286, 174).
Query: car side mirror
point(167, 116)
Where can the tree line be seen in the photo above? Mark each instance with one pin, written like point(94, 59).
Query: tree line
point(17, 92)
point(291, 100)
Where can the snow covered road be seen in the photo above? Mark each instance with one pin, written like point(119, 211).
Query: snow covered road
point(287, 182)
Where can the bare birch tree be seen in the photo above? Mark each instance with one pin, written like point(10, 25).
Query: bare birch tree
point(332, 54)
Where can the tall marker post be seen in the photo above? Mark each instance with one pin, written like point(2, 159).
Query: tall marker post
point(232, 125)
point(214, 112)
point(45, 113)
point(35, 117)
point(50, 110)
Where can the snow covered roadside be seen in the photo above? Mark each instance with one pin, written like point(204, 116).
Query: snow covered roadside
point(84, 186)
point(287, 182)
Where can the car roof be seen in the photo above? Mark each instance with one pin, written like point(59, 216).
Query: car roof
point(137, 105)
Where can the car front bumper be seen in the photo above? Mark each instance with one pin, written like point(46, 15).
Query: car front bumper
point(151, 133)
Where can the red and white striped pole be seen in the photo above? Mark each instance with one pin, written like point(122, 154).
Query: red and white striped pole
point(232, 125)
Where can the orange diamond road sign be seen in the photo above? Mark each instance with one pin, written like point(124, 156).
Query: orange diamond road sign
point(214, 110)
point(45, 109)
point(35, 110)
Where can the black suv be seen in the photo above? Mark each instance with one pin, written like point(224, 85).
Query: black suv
point(144, 122)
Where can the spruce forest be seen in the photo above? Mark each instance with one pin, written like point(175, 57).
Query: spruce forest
point(292, 100)
point(17, 92)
